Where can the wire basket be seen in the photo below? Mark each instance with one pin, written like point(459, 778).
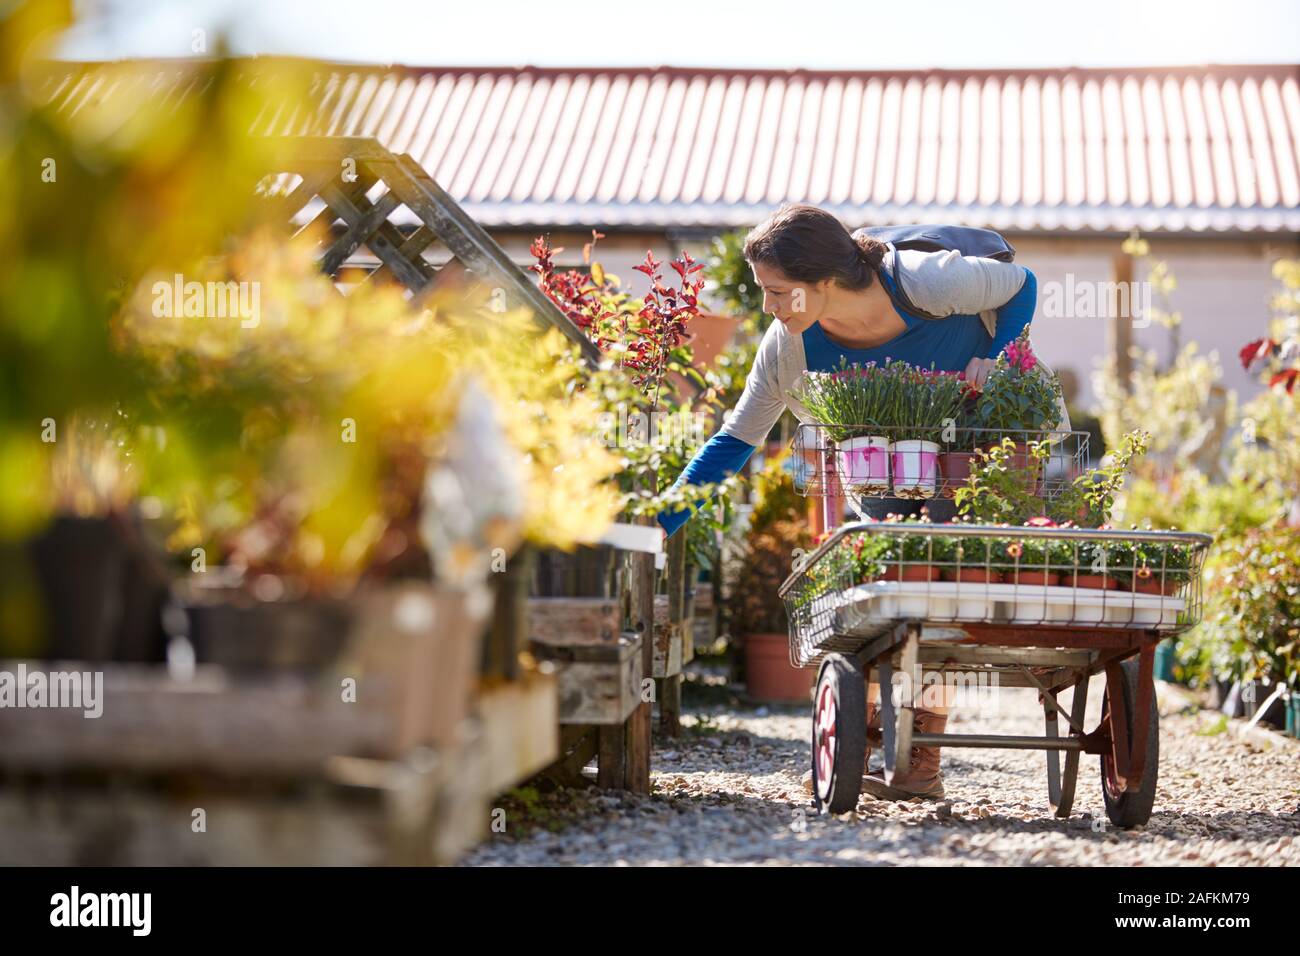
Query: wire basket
point(894, 462)
point(870, 575)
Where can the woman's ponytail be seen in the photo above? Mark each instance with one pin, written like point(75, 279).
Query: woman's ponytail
point(872, 250)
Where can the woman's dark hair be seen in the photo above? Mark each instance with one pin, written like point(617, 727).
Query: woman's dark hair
point(809, 244)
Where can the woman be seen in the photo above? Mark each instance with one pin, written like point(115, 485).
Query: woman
point(825, 289)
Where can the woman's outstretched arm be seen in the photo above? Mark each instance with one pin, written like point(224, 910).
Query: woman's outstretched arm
point(759, 408)
point(721, 456)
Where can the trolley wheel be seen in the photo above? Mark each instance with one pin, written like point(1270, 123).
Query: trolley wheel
point(1131, 808)
point(1061, 785)
point(839, 734)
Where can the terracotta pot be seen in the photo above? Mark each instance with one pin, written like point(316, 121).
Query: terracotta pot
point(1173, 582)
point(1149, 585)
point(1032, 577)
point(973, 575)
point(1099, 581)
point(769, 674)
point(954, 469)
point(910, 572)
point(1019, 461)
point(710, 335)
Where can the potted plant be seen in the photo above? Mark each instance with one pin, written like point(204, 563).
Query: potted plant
point(959, 453)
point(1150, 568)
point(870, 556)
point(1018, 399)
point(976, 560)
point(1091, 570)
point(1253, 614)
point(928, 401)
point(849, 403)
point(1170, 570)
point(757, 613)
point(914, 557)
point(1033, 561)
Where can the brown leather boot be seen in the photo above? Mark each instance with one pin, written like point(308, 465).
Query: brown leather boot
point(873, 725)
point(873, 734)
point(922, 778)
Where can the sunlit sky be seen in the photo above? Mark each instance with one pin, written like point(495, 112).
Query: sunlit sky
point(814, 34)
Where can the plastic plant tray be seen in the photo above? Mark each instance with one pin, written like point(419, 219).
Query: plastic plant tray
point(978, 603)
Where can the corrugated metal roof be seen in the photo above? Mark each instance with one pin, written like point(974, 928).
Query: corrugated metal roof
point(1213, 148)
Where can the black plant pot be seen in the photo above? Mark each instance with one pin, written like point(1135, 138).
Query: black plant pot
point(584, 572)
point(1275, 713)
point(80, 566)
point(103, 589)
point(1218, 693)
point(231, 629)
point(1246, 697)
point(507, 632)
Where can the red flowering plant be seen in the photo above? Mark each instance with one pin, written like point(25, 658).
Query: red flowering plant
point(1268, 458)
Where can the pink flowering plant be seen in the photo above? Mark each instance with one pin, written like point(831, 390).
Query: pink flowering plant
point(929, 401)
point(861, 400)
point(851, 401)
point(1019, 395)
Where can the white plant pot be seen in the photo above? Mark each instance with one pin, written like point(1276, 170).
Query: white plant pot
point(915, 466)
point(864, 464)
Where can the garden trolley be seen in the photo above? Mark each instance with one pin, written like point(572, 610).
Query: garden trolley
point(906, 604)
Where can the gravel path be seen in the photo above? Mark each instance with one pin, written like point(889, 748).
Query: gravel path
point(728, 792)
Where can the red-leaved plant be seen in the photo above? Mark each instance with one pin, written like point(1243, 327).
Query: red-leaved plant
point(1280, 360)
point(643, 336)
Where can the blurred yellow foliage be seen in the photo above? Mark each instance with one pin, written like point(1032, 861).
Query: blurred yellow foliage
point(294, 436)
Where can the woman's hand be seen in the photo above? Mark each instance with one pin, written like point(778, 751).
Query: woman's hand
point(977, 371)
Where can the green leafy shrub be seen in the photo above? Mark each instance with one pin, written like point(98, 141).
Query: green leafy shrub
point(996, 492)
point(871, 553)
point(777, 534)
point(1252, 615)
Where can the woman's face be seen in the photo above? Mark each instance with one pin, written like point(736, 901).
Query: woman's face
point(796, 305)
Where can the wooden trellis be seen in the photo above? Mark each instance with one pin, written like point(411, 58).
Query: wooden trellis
point(361, 186)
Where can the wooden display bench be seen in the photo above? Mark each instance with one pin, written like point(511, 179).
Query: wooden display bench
point(704, 616)
point(599, 670)
point(283, 772)
point(674, 641)
point(391, 756)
